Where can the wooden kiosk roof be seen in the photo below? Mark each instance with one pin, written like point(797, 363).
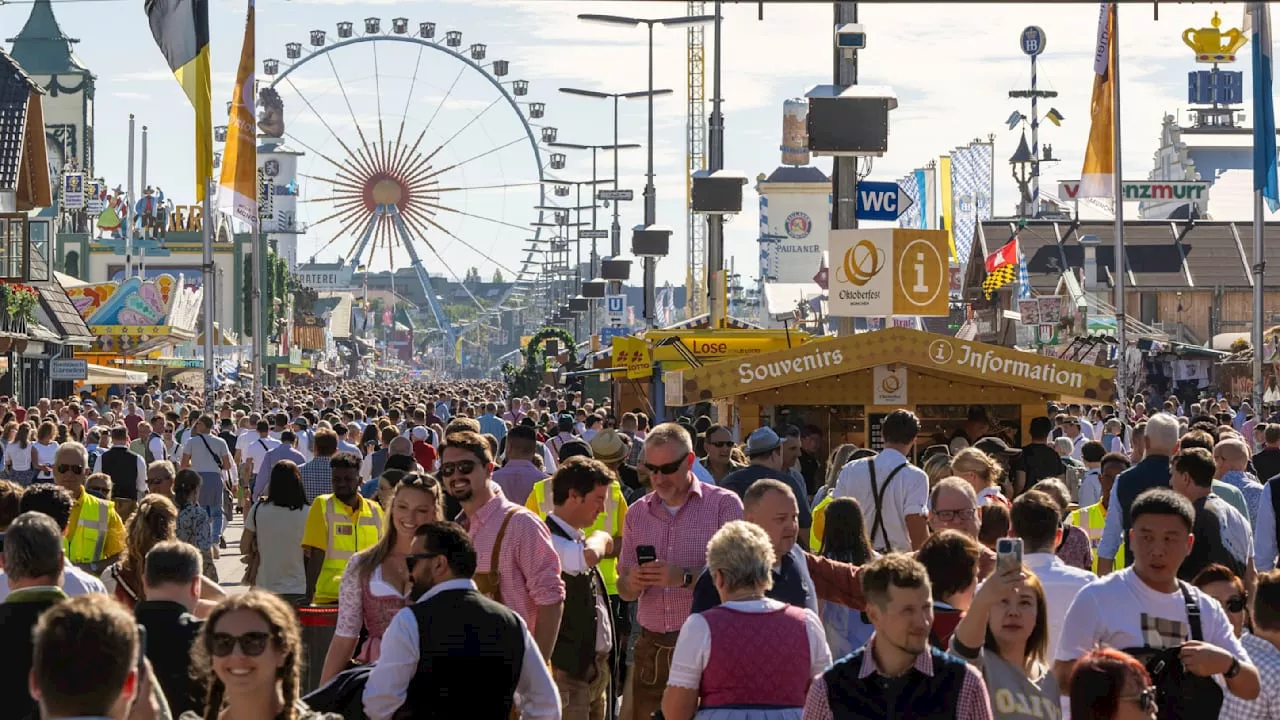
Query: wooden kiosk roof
point(811, 372)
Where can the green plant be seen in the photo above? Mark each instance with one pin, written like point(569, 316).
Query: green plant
point(527, 380)
point(20, 302)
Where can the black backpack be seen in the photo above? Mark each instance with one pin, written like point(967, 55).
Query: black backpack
point(1179, 694)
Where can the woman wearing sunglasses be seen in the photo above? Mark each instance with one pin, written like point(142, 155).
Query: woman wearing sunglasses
point(1222, 585)
point(1107, 684)
point(250, 649)
point(376, 583)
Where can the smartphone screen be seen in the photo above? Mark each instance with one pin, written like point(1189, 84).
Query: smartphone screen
point(1008, 554)
point(646, 554)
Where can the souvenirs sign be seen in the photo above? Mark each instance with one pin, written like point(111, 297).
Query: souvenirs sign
point(922, 352)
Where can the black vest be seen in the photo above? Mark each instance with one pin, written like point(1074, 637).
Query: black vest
point(379, 462)
point(463, 636)
point(122, 466)
point(924, 698)
point(575, 650)
point(149, 456)
point(1133, 482)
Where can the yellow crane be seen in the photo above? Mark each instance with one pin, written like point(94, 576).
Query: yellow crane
point(696, 157)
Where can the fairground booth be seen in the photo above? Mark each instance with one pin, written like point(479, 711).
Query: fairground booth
point(846, 386)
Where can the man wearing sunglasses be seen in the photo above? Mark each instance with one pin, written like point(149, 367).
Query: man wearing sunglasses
point(672, 524)
point(518, 566)
point(1263, 646)
point(451, 636)
point(718, 446)
point(95, 533)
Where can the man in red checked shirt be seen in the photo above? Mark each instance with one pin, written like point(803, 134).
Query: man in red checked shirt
point(898, 674)
point(664, 550)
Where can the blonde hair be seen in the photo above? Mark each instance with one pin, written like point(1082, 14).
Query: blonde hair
point(743, 553)
point(839, 458)
point(669, 432)
point(937, 466)
point(973, 460)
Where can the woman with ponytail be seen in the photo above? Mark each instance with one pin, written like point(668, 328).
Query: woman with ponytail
point(250, 649)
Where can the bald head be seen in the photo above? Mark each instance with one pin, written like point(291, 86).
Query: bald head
point(400, 446)
point(1231, 454)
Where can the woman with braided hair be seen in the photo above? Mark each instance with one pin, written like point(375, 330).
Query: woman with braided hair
point(250, 649)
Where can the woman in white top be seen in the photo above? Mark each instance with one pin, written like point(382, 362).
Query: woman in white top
point(750, 658)
point(43, 452)
point(982, 472)
point(376, 583)
point(17, 456)
point(274, 527)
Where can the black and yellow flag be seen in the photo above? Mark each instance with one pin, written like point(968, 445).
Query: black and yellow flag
point(181, 29)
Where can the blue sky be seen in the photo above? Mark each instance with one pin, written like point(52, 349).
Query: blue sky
point(950, 65)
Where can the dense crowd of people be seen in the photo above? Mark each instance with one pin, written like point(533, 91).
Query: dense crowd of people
point(445, 550)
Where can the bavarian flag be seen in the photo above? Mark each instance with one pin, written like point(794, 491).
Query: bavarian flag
point(1002, 268)
point(181, 29)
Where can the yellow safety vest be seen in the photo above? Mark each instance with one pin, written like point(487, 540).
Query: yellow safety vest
point(1094, 518)
point(540, 502)
point(85, 544)
point(819, 524)
point(345, 539)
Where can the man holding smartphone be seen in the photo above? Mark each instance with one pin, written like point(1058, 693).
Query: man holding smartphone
point(664, 549)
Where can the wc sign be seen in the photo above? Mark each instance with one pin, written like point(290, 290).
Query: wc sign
point(615, 307)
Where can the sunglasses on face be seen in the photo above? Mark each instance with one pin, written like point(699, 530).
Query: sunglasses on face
point(412, 559)
point(251, 644)
point(720, 443)
point(1145, 700)
point(75, 469)
point(465, 467)
point(667, 469)
point(1235, 604)
point(156, 480)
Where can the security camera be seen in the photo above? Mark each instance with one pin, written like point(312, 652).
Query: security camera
point(851, 36)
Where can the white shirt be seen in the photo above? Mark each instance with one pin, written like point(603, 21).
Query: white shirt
point(907, 494)
point(1061, 584)
point(155, 444)
point(693, 646)
point(573, 561)
point(1091, 487)
point(74, 582)
point(1115, 609)
point(388, 685)
point(140, 480)
point(253, 450)
point(19, 457)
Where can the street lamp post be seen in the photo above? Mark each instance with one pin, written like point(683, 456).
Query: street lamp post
point(615, 232)
point(595, 257)
point(650, 192)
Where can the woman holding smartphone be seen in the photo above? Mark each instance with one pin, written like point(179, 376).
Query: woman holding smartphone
point(1005, 634)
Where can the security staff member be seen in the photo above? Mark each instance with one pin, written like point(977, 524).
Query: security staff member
point(95, 533)
point(339, 525)
point(128, 472)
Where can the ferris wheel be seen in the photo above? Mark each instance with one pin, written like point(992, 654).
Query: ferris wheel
point(420, 151)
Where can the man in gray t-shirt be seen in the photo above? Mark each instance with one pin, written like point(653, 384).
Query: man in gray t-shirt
point(208, 455)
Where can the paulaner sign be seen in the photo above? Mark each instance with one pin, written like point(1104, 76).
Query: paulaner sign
point(1146, 190)
point(817, 360)
point(1033, 367)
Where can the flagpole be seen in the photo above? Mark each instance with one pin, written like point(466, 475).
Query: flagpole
point(1117, 189)
point(128, 210)
point(259, 343)
point(1259, 275)
point(206, 225)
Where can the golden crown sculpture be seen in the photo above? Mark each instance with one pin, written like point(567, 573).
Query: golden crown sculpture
point(1213, 45)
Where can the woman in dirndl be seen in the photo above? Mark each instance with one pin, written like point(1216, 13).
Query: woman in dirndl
point(752, 657)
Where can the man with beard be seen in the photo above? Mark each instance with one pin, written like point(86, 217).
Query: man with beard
point(339, 525)
point(518, 564)
point(451, 636)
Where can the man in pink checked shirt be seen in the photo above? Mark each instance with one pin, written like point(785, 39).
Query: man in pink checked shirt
point(898, 673)
point(672, 525)
point(516, 564)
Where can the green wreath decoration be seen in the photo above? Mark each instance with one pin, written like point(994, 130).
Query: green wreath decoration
point(527, 380)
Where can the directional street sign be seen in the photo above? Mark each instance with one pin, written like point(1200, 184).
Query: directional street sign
point(881, 201)
point(607, 334)
point(615, 195)
point(594, 234)
point(615, 306)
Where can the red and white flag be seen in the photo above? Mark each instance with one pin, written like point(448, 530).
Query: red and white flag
point(1007, 255)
